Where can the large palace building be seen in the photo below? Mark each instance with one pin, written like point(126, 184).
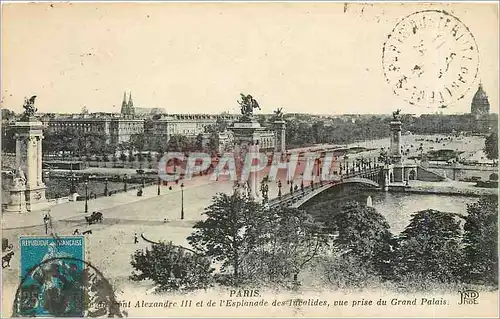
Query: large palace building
point(118, 128)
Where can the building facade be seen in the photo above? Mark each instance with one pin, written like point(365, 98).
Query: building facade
point(119, 128)
point(114, 128)
point(186, 124)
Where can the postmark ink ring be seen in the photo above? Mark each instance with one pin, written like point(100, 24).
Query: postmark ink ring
point(430, 59)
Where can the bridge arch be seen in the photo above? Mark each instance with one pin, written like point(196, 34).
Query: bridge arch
point(361, 180)
point(353, 180)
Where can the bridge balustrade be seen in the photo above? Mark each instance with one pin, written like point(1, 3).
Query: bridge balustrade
point(371, 173)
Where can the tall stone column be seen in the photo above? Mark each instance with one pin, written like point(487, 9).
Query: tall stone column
point(18, 152)
point(31, 162)
point(395, 146)
point(247, 138)
point(29, 159)
point(39, 172)
point(280, 133)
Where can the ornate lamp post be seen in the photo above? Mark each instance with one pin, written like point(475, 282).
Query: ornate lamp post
point(318, 167)
point(86, 196)
point(159, 183)
point(182, 201)
point(106, 191)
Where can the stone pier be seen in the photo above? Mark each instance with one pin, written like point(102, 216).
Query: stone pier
point(247, 139)
point(24, 189)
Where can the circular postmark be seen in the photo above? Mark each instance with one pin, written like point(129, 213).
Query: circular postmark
point(430, 59)
point(65, 287)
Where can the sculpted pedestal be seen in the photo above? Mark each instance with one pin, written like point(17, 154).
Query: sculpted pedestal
point(29, 137)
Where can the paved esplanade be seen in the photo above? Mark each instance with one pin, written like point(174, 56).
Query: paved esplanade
point(197, 194)
point(111, 243)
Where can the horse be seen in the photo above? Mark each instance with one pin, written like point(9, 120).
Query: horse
point(94, 218)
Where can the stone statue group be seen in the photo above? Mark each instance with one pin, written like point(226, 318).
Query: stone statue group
point(248, 104)
point(19, 179)
point(29, 108)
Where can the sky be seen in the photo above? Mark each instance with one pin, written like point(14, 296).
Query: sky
point(321, 58)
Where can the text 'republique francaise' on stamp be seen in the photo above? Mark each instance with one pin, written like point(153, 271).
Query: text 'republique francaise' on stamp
point(430, 59)
point(56, 281)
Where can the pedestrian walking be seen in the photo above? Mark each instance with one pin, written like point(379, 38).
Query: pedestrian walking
point(46, 222)
point(136, 239)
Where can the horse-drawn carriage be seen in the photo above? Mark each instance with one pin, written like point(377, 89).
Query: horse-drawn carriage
point(94, 218)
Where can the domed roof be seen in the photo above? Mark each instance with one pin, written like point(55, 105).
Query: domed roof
point(480, 95)
point(480, 104)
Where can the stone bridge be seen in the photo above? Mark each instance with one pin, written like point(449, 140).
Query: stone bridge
point(370, 176)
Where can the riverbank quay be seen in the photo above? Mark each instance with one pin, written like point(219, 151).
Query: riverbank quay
point(446, 188)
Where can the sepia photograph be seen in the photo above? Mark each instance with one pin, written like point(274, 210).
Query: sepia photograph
point(249, 159)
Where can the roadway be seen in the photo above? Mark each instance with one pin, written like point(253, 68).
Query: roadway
point(111, 243)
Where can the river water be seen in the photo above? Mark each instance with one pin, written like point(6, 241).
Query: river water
point(397, 208)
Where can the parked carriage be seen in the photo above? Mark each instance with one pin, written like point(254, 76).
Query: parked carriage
point(94, 218)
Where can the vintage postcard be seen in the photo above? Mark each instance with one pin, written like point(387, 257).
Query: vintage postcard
point(284, 159)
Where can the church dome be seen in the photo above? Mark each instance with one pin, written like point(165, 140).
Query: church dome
point(480, 103)
point(480, 94)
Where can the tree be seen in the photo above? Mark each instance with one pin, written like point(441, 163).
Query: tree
point(178, 143)
point(199, 142)
point(364, 234)
point(429, 247)
point(139, 142)
point(172, 268)
point(65, 140)
point(93, 142)
point(481, 242)
point(131, 157)
point(8, 115)
point(491, 146)
point(123, 157)
point(213, 142)
point(229, 232)
point(140, 158)
point(8, 139)
point(289, 240)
